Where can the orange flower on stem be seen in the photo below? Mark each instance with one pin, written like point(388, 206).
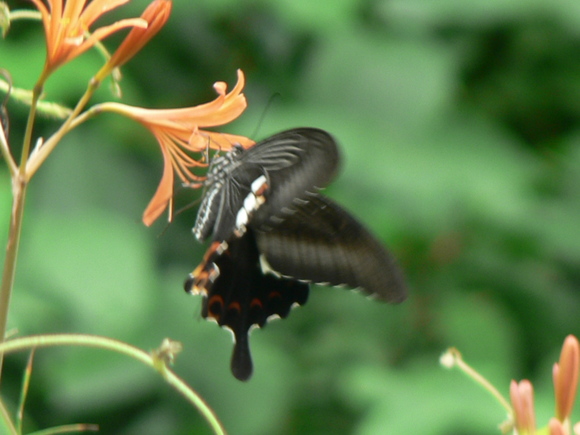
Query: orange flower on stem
point(565, 375)
point(67, 25)
point(179, 135)
point(522, 397)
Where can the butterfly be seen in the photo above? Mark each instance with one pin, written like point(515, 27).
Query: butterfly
point(273, 232)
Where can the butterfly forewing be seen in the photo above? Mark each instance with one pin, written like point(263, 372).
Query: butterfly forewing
point(323, 243)
point(291, 184)
point(295, 163)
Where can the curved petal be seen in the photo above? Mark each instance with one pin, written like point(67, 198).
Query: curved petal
point(163, 194)
point(566, 377)
point(155, 15)
point(100, 34)
point(225, 108)
point(96, 8)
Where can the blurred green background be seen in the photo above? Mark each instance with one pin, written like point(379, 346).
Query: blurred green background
point(459, 124)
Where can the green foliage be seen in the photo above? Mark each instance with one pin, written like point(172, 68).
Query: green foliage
point(459, 125)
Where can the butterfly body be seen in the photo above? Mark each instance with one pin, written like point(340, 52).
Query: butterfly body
point(263, 206)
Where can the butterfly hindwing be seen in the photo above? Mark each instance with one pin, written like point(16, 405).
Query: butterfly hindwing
point(322, 243)
point(238, 295)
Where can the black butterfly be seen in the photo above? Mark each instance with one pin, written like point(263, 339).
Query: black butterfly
point(272, 233)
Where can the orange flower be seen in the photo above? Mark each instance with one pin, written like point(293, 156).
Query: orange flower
point(178, 134)
point(522, 397)
point(565, 375)
point(156, 15)
point(67, 26)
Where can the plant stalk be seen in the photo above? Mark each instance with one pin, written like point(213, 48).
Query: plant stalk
point(19, 188)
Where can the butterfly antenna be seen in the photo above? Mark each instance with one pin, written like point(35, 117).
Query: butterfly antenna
point(188, 206)
point(178, 212)
point(206, 152)
point(209, 158)
point(265, 111)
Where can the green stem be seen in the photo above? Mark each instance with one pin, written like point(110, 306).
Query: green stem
point(4, 113)
point(6, 153)
point(455, 359)
point(19, 188)
point(40, 154)
point(36, 92)
point(24, 392)
point(170, 377)
point(19, 185)
point(25, 14)
point(24, 97)
point(5, 417)
point(69, 428)
point(86, 115)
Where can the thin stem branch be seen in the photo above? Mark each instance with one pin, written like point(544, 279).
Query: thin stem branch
point(5, 122)
point(85, 116)
point(68, 428)
point(5, 417)
point(95, 341)
point(29, 128)
point(24, 97)
point(19, 186)
point(453, 358)
point(44, 151)
point(24, 391)
point(25, 14)
point(6, 152)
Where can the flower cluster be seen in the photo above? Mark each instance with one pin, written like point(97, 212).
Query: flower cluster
point(179, 132)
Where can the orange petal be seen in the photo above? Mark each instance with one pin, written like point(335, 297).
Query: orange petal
point(556, 427)
point(565, 375)
point(162, 195)
point(156, 15)
point(96, 8)
point(522, 397)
